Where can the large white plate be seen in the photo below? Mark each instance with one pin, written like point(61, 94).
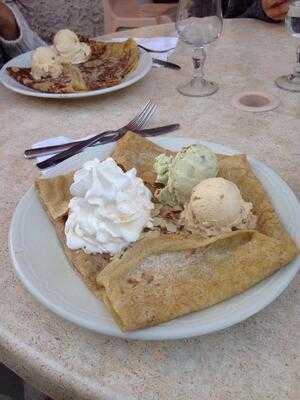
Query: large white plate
point(24, 60)
point(44, 270)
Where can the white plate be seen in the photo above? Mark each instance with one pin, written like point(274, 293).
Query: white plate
point(24, 60)
point(44, 270)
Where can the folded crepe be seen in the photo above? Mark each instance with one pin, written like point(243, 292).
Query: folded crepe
point(163, 275)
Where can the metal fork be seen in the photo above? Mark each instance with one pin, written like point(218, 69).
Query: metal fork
point(138, 122)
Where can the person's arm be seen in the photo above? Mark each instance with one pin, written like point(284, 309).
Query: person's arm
point(267, 10)
point(16, 37)
point(9, 29)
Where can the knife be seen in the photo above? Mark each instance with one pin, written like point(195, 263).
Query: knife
point(166, 64)
point(43, 151)
point(159, 130)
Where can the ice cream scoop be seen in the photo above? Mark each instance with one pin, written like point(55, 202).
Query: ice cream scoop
point(162, 168)
point(64, 40)
point(181, 173)
point(69, 48)
point(216, 207)
point(45, 63)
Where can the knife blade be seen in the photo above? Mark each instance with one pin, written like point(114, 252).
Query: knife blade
point(160, 130)
point(166, 64)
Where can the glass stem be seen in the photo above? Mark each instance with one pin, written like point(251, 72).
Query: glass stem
point(199, 58)
point(297, 66)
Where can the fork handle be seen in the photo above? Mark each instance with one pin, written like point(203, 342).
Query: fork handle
point(77, 148)
point(44, 151)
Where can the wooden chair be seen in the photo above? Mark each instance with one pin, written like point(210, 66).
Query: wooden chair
point(131, 14)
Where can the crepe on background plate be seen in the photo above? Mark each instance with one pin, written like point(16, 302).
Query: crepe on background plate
point(164, 276)
point(108, 65)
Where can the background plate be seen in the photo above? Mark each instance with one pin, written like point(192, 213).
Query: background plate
point(24, 60)
point(43, 268)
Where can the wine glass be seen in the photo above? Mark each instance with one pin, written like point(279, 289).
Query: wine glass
point(199, 23)
point(292, 21)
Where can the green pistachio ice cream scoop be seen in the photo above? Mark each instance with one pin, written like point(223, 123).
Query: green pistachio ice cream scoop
point(180, 174)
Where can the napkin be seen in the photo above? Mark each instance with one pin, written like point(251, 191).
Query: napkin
point(167, 43)
point(50, 142)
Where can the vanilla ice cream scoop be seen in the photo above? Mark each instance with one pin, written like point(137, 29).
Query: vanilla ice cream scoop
point(69, 48)
point(216, 207)
point(64, 40)
point(46, 63)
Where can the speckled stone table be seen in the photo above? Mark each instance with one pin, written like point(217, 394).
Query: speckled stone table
point(257, 359)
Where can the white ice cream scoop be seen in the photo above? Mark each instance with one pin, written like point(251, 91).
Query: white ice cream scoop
point(46, 63)
point(70, 49)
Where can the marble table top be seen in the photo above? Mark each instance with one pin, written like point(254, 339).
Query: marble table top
point(256, 359)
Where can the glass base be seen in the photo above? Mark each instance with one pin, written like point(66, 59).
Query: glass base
point(198, 88)
point(289, 82)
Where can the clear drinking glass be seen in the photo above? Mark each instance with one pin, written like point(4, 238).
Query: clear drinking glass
point(199, 23)
point(292, 21)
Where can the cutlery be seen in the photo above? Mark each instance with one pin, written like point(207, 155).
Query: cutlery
point(43, 151)
point(117, 135)
point(166, 64)
point(155, 51)
point(138, 122)
point(160, 130)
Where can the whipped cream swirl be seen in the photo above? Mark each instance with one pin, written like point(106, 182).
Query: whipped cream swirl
point(109, 210)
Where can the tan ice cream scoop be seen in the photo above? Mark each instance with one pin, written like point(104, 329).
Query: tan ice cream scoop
point(216, 206)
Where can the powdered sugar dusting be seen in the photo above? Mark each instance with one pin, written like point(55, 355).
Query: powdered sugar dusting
point(170, 264)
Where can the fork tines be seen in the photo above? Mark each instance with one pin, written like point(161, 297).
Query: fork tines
point(143, 117)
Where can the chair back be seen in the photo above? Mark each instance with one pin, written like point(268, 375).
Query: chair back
point(109, 5)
